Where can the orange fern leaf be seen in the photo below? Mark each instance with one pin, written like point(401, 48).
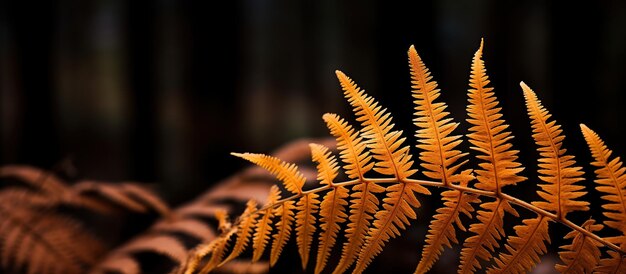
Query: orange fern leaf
point(611, 179)
point(217, 251)
point(489, 137)
point(264, 225)
point(285, 211)
point(306, 208)
point(333, 205)
point(488, 231)
point(285, 172)
point(558, 169)
point(244, 231)
point(441, 230)
point(357, 160)
point(583, 254)
point(526, 248)
point(363, 205)
point(395, 216)
point(385, 143)
point(439, 156)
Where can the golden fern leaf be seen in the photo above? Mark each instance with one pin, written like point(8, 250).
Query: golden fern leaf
point(438, 154)
point(610, 178)
point(244, 231)
point(489, 137)
point(384, 142)
point(441, 230)
point(285, 211)
point(285, 172)
point(363, 205)
point(306, 208)
point(583, 254)
point(332, 212)
point(351, 146)
point(393, 159)
point(526, 248)
point(398, 209)
point(218, 251)
point(264, 225)
point(488, 231)
point(558, 169)
point(489, 134)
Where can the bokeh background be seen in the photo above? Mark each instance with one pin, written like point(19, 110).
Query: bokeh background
point(161, 91)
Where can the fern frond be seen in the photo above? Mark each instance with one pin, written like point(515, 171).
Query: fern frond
point(526, 248)
point(583, 254)
point(441, 230)
point(351, 146)
point(285, 211)
point(332, 212)
point(306, 208)
point(385, 143)
point(285, 172)
point(37, 242)
point(264, 225)
point(439, 156)
point(398, 210)
point(488, 134)
point(327, 164)
point(499, 167)
point(244, 231)
point(488, 231)
point(610, 178)
point(217, 251)
point(558, 169)
point(363, 205)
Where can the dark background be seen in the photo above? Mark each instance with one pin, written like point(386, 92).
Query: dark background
point(162, 91)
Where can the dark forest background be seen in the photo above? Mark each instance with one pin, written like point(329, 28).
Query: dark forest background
point(161, 91)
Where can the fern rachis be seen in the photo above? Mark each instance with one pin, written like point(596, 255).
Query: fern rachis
point(380, 148)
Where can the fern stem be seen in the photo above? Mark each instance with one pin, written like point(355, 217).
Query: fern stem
point(480, 192)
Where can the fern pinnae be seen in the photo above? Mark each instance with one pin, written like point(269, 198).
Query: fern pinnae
point(438, 154)
point(583, 254)
point(441, 231)
point(364, 204)
point(489, 137)
point(558, 169)
point(306, 208)
point(439, 158)
point(288, 173)
point(264, 225)
point(357, 160)
point(332, 212)
point(244, 232)
point(286, 214)
point(394, 159)
point(525, 248)
point(386, 145)
point(610, 179)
